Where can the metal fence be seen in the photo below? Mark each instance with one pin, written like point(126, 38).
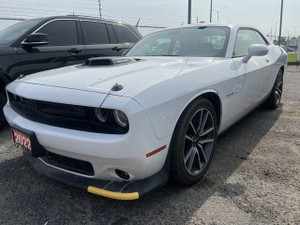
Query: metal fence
point(6, 22)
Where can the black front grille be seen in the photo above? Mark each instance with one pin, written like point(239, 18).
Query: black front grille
point(62, 115)
point(62, 110)
point(74, 165)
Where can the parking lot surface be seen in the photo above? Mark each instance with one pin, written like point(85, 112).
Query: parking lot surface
point(254, 179)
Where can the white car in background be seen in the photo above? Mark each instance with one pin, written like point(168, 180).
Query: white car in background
point(121, 126)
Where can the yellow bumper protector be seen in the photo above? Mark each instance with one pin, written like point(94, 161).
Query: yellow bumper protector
point(113, 195)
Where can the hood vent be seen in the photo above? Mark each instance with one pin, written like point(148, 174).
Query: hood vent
point(103, 61)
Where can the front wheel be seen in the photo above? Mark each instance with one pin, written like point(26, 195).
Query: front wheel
point(274, 98)
point(193, 142)
point(2, 104)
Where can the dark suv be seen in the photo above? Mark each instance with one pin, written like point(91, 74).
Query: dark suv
point(41, 44)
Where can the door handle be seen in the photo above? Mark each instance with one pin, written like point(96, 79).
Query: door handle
point(74, 50)
point(267, 60)
point(116, 48)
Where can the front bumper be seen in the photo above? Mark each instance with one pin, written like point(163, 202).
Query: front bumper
point(106, 152)
point(126, 190)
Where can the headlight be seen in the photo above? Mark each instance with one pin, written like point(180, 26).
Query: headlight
point(120, 118)
point(111, 119)
point(101, 114)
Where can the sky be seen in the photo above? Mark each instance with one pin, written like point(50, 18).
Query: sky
point(263, 14)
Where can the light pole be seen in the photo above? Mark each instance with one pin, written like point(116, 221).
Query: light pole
point(276, 24)
point(280, 26)
point(218, 11)
point(100, 9)
point(189, 11)
point(211, 5)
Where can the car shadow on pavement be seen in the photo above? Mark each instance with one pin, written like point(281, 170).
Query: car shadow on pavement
point(29, 198)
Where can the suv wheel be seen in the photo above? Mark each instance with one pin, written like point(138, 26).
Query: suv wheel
point(2, 118)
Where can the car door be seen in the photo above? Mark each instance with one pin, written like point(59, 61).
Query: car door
point(249, 88)
point(65, 48)
point(125, 37)
point(99, 40)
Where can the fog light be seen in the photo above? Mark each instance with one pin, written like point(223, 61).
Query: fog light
point(124, 175)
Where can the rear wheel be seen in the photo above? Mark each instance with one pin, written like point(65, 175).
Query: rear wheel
point(193, 142)
point(274, 99)
point(2, 118)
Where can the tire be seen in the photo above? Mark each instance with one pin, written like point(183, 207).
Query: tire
point(3, 122)
point(190, 154)
point(274, 98)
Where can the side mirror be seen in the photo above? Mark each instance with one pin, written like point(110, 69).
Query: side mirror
point(256, 50)
point(36, 39)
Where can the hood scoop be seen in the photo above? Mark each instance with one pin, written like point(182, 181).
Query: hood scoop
point(109, 61)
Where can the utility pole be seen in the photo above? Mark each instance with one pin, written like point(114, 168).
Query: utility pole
point(271, 35)
point(211, 5)
point(189, 11)
point(280, 26)
point(288, 39)
point(218, 12)
point(99, 5)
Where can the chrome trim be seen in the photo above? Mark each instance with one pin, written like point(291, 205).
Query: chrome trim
point(35, 43)
point(50, 21)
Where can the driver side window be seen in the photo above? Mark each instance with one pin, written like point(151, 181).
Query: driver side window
point(61, 32)
point(245, 38)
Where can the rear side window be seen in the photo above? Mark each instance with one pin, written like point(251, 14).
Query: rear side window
point(124, 35)
point(95, 33)
point(61, 33)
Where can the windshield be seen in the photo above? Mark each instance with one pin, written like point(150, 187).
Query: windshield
point(14, 32)
point(202, 41)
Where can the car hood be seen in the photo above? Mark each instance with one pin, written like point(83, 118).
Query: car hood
point(102, 78)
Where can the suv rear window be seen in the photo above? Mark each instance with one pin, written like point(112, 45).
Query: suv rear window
point(124, 35)
point(95, 33)
point(61, 33)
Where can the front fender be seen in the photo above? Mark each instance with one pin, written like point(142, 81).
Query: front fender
point(164, 117)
